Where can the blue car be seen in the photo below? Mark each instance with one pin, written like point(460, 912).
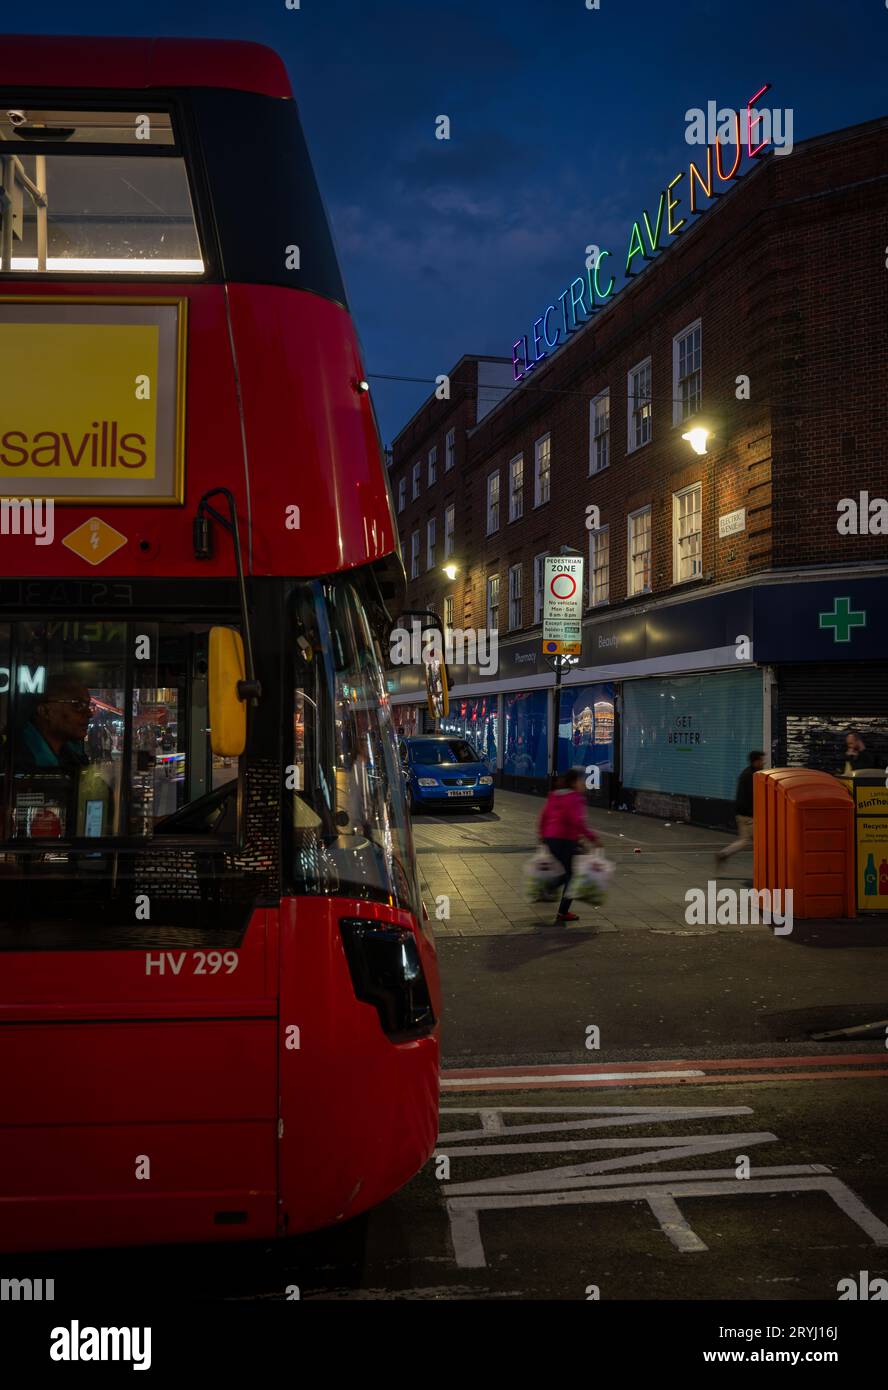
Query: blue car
point(442, 770)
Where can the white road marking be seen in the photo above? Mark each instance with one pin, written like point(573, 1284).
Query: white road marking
point(608, 1181)
point(630, 1115)
point(465, 1228)
point(475, 1083)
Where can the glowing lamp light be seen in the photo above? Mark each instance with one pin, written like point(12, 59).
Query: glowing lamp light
point(450, 571)
point(697, 439)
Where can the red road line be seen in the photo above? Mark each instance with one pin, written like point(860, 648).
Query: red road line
point(590, 1083)
point(708, 1063)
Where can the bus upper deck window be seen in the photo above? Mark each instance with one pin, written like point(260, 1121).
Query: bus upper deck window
point(94, 193)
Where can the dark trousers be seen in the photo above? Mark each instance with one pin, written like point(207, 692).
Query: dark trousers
point(563, 851)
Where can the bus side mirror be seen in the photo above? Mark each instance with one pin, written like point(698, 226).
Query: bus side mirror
point(228, 712)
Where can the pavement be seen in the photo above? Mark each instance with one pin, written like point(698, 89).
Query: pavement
point(471, 872)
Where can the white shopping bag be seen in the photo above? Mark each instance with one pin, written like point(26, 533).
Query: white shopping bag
point(591, 875)
point(543, 875)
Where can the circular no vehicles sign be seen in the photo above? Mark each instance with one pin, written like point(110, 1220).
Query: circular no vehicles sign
point(563, 586)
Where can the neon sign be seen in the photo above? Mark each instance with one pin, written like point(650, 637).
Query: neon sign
point(584, 295)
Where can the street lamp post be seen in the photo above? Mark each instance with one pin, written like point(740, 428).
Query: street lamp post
point(559, 663)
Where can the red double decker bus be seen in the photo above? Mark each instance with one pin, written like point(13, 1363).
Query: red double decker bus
point(218, 996)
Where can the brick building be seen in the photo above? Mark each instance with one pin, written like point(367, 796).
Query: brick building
point(724, 609)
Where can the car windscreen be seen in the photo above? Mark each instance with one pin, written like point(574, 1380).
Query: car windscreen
point(450, 750)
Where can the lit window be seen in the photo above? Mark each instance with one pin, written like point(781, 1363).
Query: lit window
point(493, 509)
point(125, 211)
point(516, 488)
point(640, 409)
point(687, 533)
point(599, 432)
point(493, 602)
point(599, 566)
point(640, 551)
point(541, 470)
point(687, 374)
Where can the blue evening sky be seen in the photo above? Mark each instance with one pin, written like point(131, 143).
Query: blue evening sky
point(565, 122)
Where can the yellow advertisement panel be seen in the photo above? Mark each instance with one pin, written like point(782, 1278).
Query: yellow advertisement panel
point(871, 825)
point(92, 400)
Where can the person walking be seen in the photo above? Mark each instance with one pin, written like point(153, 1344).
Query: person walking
point(562, 828)
point(743, 809)
point(858, 756)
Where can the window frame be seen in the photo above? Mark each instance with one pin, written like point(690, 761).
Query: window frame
point(414, 555)
point(632, 444)
point(449, 450)
point(184, 147)
point(416, 489)
point(402, 493)
point(431, 541)
point(126, 840)
point(594, 537)
point(594, 466)
point(676, 557)
point(538, 499)
point(631, 591)
point(493, 583)
point(539, 593)
point(516, 514)
point(493, 502)
point(432, 474)
point(517, 569)
point(678, 418)
point(449, 532)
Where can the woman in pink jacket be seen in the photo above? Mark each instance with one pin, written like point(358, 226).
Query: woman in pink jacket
point(562, 827)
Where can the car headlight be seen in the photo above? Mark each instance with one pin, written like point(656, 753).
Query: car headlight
point(485, 781)
point(426, 782)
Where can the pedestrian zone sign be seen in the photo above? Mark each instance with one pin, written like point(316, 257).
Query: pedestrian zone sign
point(562, 605)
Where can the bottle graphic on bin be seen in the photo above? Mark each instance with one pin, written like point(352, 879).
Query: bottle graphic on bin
point(883, 879)
point(870, 878)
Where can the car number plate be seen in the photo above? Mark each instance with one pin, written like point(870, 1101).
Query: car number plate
point(462, 792)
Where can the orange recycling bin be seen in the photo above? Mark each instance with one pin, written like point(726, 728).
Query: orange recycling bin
point(803, 839)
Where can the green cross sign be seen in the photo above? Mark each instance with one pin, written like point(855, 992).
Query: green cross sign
point(842, 619)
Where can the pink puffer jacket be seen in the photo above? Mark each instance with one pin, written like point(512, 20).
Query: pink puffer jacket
point(564, 817)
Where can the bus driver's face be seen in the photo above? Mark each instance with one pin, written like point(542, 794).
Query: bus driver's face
point(64, 717)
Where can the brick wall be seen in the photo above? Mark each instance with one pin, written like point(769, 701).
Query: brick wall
point(787, 274)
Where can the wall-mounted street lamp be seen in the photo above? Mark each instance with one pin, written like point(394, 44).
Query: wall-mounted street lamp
point(697, 438)
point(450, 571)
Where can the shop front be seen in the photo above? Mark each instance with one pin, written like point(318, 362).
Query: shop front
point(586, 725)
point(685, 741)
point(827, 643)
point(476, 719)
